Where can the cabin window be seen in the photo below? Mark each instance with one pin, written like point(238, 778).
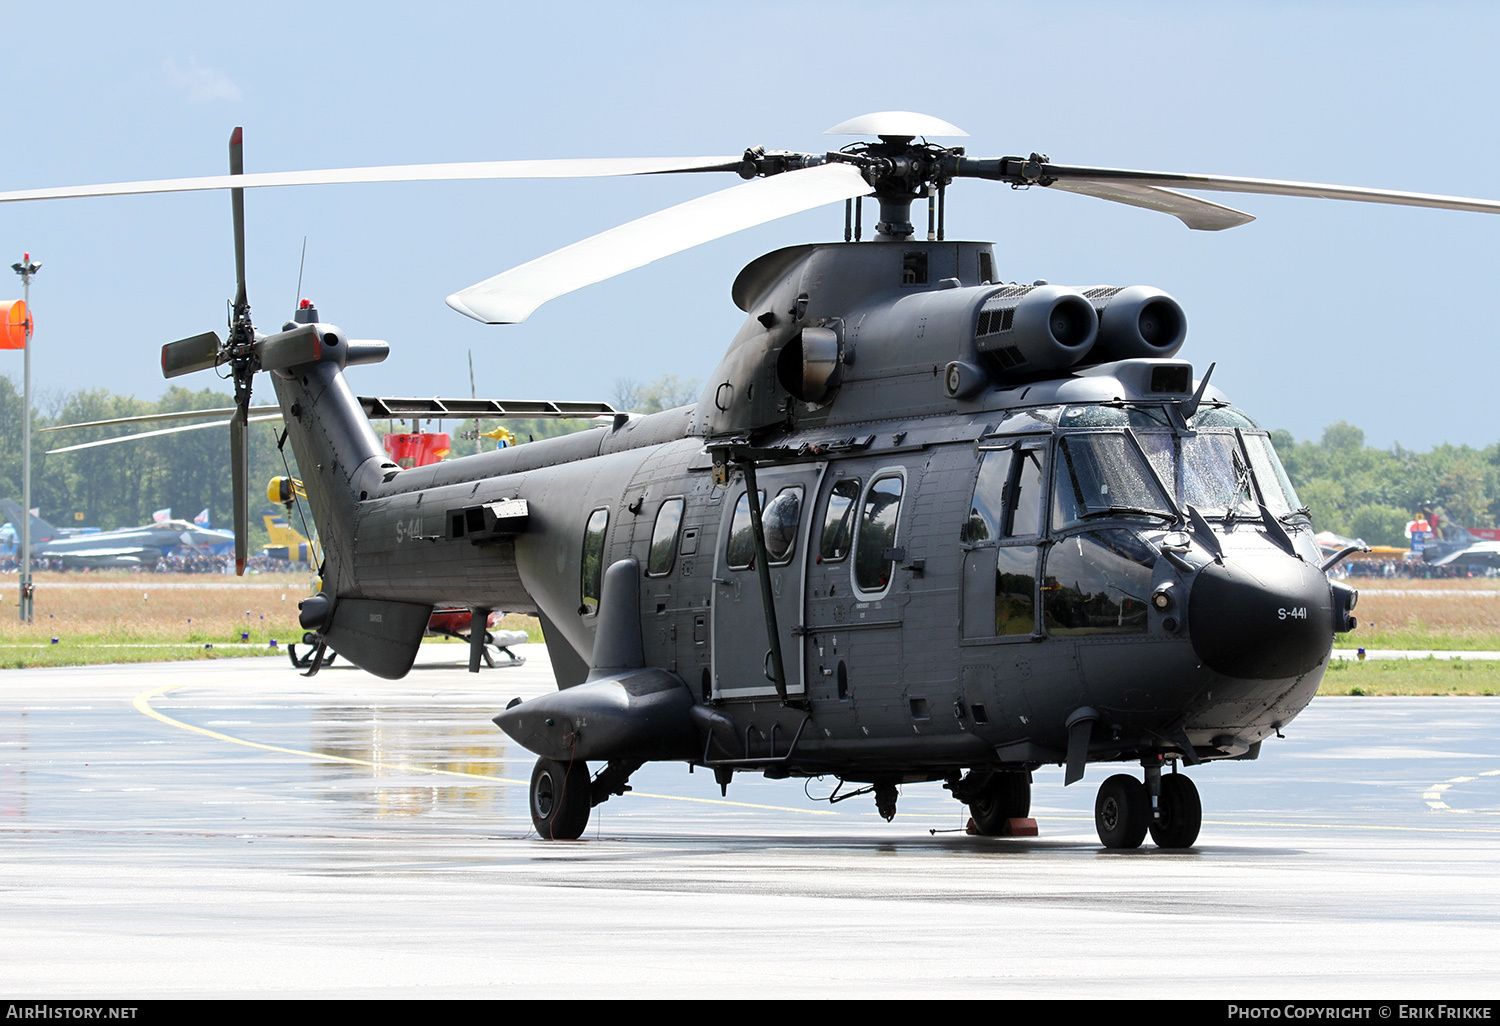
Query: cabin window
point(873, 562)
point(780, 520)
point(592, 574)
point(664, 539)
point(1097, 583)
point(838, 521)
point(741, 551)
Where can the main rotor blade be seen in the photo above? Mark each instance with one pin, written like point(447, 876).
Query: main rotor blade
point(147, 418)
point(585, 167)
point(510, 297)
point(156, 434)
point(1262, 186)
point(1190, 210)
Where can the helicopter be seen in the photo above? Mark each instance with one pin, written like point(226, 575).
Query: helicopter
point(922, 525)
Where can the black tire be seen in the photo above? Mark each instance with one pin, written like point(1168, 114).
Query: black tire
point(1122, 812)
point(1007, 796)
point(559, 798)
point(1179, 813)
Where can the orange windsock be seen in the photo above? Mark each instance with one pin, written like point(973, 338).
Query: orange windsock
point(15, 324)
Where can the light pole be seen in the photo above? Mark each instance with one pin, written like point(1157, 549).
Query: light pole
point(26, 269)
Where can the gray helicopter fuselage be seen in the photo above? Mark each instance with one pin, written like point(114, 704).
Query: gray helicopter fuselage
point(982, 546)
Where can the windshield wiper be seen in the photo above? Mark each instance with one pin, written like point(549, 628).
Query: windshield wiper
point(1127, 511)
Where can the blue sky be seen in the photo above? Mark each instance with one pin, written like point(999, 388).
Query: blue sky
point(1317, 312)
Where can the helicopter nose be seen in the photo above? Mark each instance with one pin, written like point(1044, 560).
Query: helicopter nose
point(1270, 619)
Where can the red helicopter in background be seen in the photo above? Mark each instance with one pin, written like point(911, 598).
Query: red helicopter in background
point(415, 448)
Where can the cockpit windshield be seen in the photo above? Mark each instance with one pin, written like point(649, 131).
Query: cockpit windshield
point(1210, 471)
point(1104, 474)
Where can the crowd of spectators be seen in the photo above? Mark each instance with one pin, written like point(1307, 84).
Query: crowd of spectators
point(195, 563)
point(1409, 568)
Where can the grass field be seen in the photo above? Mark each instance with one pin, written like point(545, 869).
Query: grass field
point(1453, 616)
point(118, 617)
point(1432, 676)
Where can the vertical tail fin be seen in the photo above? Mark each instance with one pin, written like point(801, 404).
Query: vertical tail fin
point(41, 531)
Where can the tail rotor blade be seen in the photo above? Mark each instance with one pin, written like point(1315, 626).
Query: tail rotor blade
point(289, 348)
point(190, 354)
point(239, 461)
point(237, 200)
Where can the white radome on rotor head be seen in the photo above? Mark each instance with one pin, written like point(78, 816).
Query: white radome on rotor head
point(897, 123)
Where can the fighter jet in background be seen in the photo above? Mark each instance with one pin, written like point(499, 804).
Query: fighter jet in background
point(125, 547)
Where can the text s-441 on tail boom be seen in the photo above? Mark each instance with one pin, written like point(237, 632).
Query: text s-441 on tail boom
point(921, 525)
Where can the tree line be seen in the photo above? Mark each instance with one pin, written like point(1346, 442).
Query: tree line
point(1351, 488)
point(122, 485)
point(1362, 492)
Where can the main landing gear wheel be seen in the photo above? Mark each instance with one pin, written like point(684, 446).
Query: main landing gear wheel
point(1179, 813)
point(1007, 796)
point(560, 799)
point(1122, 812)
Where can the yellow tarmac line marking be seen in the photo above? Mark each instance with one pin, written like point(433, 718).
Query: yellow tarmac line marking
point(142, 703)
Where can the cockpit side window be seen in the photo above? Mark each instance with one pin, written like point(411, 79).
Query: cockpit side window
point(1008, 495)
point(1027, 500)
point(987, 510)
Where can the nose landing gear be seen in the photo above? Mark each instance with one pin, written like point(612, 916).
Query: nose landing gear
point(1123, 813)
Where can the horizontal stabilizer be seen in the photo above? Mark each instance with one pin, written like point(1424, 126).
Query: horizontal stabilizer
point(380, 637)
point(480, 409)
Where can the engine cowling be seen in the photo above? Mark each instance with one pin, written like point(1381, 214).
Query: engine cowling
point(1136, 321)
point(1024, 330)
